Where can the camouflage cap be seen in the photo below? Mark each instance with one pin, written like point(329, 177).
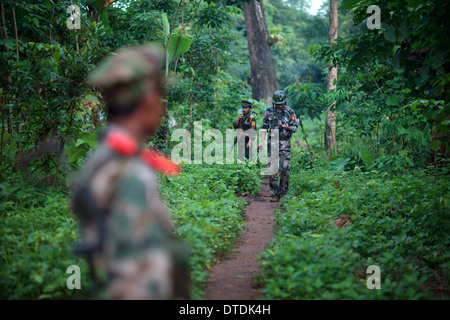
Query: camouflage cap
point(246, 103)
point(127, 74)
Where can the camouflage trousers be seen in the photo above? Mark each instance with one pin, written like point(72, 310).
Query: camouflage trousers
point(279, 182)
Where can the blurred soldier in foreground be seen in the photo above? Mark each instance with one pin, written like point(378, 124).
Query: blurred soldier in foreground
point(244, 138)
point(126, 233)
point(280, 117)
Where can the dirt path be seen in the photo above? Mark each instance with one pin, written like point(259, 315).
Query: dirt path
point(232, 277)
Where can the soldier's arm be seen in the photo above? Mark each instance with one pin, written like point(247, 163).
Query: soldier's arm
point(265, 123)
point(236, 124)
point(252, 131)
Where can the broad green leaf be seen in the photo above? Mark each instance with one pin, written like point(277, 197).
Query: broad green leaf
point(90, 97)
point(349, 4)
point(91, 143)
point(9, 44)
point(389, 34)
point(366, 156)
point(435, 144)
point(338, 165)
point(73, 154)
point(79, 142)
point(56, 54)
point(38, 278)
point(392, 100)
point(105, 20)
point(166, 26)
point(177, 46)
point(402, 131)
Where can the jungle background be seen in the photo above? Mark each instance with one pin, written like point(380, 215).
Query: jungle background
point(387, 176)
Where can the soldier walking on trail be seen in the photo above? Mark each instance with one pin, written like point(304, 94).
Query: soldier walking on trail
point(280, 117)
point(245, 136)
point(127, 236)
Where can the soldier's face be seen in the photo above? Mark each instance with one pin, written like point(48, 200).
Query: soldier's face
point(280, 106)
point(246, 110)
point(152, 111)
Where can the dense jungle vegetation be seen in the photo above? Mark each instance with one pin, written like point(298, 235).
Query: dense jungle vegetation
point(382, 200)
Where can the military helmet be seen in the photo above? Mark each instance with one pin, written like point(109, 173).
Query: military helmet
point(279, 97)
point(127, 74)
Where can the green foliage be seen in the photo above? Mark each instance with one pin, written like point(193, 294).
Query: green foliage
point(85, 143)
point(398, 222)
point(36, 234)
point(207, 213)
point(396, 79)
point(33, 87)
point(297, 30)
point(176, 44)
point(307, 99)
point(38, 231)
point(33, 108)
point(392, 112)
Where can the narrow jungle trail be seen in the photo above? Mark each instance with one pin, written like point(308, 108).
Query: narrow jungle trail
point(233, 277)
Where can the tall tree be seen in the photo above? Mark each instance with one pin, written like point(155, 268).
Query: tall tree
point(330, 120)
point(263, 71)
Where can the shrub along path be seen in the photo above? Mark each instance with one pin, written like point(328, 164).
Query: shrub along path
point(232, 278)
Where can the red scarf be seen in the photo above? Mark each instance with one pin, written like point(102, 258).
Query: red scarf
point(125, 145)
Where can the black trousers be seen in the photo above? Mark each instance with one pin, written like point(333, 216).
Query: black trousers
point(243, 153)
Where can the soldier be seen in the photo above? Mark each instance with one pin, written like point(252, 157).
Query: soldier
point(280, 117)
point(127, 236)
point(245, 136)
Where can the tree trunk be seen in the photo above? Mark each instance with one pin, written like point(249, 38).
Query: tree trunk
point(263, 72)
point(330, 121)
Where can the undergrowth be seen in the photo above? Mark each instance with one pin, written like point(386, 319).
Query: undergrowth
point(38, 231)
point(400, 223)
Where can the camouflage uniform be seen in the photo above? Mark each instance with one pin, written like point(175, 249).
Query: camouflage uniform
point(126, 232)
point(244, 124)
point(272, 119)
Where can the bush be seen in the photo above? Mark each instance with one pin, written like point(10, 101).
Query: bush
point(36, 241)
point(399, 223)
point(37, 230)
point(207, 213)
